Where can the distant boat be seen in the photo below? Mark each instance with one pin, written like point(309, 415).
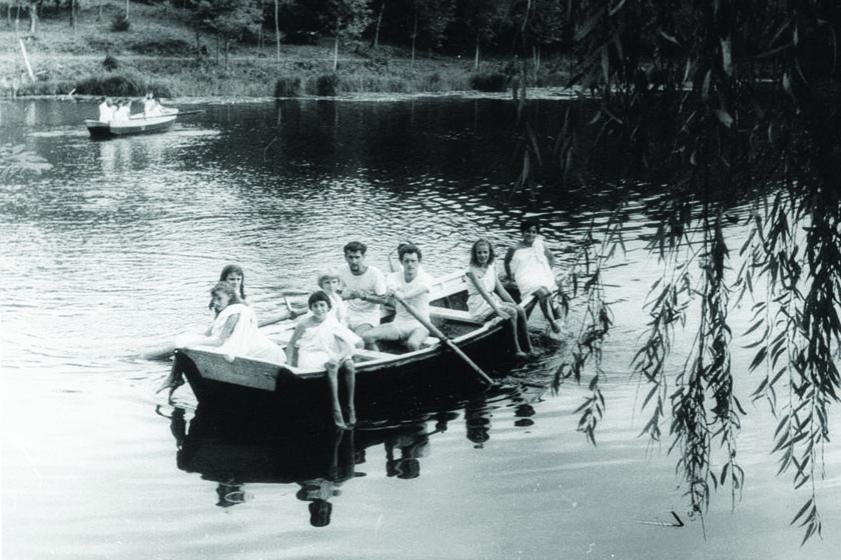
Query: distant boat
point(136, 124)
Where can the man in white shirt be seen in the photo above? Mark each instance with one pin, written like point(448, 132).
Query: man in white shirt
point(363, 289)
point(413, 285)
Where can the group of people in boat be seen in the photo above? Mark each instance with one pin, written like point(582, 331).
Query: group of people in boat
point(120, 110)
point(343, 314)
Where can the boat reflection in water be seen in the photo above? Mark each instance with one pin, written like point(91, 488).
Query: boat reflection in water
point(318, 461)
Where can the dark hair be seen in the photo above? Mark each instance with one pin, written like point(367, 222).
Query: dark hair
point(229, 268)
point(319, 296)
point(407, 248)
point(529, 222)
point(355, 246)
point(475, 261)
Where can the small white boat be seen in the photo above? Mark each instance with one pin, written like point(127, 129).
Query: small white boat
point(138, 123)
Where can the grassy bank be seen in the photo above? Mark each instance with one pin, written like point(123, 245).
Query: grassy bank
point(158, 52)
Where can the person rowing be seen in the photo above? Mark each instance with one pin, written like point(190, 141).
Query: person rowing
point(529, 264)
point(412, 285)
point(486, 295)
point(106, 110)
point(363, 286)
point(320, 341)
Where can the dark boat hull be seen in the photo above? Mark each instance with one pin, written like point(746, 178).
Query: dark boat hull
point(381, 388)
point(101, 130)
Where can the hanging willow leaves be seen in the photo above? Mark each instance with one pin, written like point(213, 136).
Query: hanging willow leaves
point(727, 104)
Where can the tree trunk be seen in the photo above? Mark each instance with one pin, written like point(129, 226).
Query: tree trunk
point(99, 15)
point(476, 58)
point(227, 49)
point(73, 14)
point(379, 23)
point(198, 46)
point(33, 18)
point(218, 48)
point(276, 32)
point(414, 37)
point(535, 51)
point(336, 53)
point(127, 8)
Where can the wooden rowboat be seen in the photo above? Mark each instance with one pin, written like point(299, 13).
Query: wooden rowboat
point(136, 124)
point(382, 377)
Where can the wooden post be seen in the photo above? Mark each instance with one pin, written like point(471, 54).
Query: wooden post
point(26, 60)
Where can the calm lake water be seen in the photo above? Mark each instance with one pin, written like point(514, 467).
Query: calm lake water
point(113, 251)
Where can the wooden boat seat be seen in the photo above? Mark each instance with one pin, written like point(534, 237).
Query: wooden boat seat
point(373, 354)
point(452, 315)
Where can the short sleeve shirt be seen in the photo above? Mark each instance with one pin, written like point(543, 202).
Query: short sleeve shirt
point(371, 281)
point(420, 302)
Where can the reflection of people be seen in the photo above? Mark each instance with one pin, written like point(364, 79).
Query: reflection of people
point(529, 264)
point(320, 341)
point(360, 282)
point(483, 285)
point(318, 491)
point(413, 285)
point(478, 422)
point(412, 444)
point(230, 493)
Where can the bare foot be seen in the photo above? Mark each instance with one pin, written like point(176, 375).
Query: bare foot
point(555, 326)
point(520, 355)
point(351, 418)
point(172, 382)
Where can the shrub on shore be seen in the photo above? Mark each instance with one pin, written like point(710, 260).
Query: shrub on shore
point(287, 87)
point(110, 63)
point(489, 81)
point(126, 84)
point(120, 23)
point(327, 85)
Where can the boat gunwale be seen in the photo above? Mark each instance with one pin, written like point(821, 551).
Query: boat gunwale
point(488, 327)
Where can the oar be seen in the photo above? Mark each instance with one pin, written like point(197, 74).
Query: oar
point(164, 351)
point(443, 338)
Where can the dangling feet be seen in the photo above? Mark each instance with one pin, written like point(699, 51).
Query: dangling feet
point(173, 381)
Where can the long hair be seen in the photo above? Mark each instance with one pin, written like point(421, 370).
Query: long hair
point(234, 268)
point(226, 289)
point(475, 261)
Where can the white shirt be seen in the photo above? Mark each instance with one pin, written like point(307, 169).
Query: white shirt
point(371, 281)
point(419, 302)
point(105, 112)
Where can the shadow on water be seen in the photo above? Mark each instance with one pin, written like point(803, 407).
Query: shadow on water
point(319, 460)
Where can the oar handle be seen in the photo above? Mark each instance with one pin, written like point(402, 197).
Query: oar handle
point(443, 338)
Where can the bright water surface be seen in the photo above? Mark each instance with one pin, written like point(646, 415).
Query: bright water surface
point(113, 250)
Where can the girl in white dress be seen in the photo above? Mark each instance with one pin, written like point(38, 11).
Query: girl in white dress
point(320, 341)
point(495, 298)
point(234, 330)
point(530, 264)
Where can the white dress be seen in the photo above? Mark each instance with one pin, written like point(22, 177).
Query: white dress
point(246, 340)
point(530, 269)
point(477, 306)
point(329, 340)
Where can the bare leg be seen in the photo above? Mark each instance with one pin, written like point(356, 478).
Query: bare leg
point(332, 381)
point(546, 307)
point(523, 330)
point(512, 317)
point(416, 338)
point(174, 380)
point(370, 343)
point(350, 382)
